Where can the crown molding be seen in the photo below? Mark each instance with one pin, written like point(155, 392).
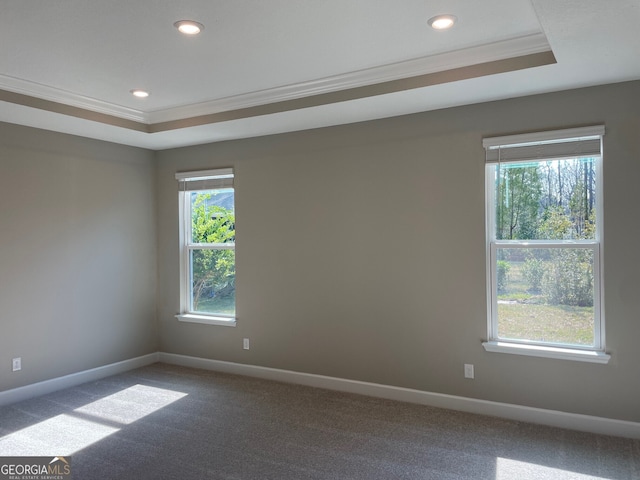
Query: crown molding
point(509, 48)
point(345, 95)
point(45, 92)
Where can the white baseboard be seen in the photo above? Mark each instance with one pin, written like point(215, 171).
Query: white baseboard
point(574, 421)
point(554, 418)
point(41, 388)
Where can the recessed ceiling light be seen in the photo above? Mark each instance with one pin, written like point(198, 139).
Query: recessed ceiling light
point(189, 27)
point(139, 93)
point(442, 22)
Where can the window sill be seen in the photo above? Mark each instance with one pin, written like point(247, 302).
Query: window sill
point(207, 319)
point(547, 352)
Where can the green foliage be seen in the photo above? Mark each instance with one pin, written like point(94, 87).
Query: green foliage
point(213, 271)
point(533, 272)
point(503, 268)
point(568, 278)
point(568, 275)
point(211, 223)
point(556, 225)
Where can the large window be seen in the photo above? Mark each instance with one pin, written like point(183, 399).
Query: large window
point(207, 242)
point(544, 244)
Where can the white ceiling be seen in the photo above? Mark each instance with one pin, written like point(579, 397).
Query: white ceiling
point(262, 67)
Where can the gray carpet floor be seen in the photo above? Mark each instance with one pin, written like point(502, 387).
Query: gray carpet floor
point(169, 422)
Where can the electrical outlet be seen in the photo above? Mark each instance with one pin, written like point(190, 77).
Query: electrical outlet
point(16, 364)
point(245, 343)
point(468, 370)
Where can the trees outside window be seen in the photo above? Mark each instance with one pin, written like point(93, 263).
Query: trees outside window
point(211, 252)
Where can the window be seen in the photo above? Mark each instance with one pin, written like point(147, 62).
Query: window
point(207, 243)
point(544, 244)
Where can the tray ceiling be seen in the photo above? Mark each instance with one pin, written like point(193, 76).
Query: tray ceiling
point(268, 67)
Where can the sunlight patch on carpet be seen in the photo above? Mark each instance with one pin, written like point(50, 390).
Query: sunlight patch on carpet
point(507, 469)
point(63, 434)
point(131, 404)
point(70, 432)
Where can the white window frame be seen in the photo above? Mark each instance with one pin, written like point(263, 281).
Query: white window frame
point(552, 145)
point(222, 178)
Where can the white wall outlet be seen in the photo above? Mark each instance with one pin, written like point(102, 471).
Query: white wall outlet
point(468, 370)
point(16, 364)
point(245, 343)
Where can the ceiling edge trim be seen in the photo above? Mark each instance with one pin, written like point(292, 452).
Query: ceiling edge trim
point(73, 111)
point(348, 94)
point(383, 88)
point(446, 61)
point(44, 92)
point(514, 47)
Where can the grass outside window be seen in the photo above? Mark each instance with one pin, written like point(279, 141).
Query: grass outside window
point(525, 315)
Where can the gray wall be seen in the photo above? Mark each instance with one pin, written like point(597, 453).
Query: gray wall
point(360, 253)
point(77, 254)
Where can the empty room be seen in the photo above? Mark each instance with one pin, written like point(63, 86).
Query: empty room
point(319, 240)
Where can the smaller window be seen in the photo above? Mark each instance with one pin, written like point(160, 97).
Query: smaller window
point(207, 241)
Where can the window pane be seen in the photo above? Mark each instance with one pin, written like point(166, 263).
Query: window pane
point(212, 216)
point(548, 200)
point(213, 281)
point(545, 295)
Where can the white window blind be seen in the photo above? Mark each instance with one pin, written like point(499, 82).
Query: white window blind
point(558, 144)
point(205, 179)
